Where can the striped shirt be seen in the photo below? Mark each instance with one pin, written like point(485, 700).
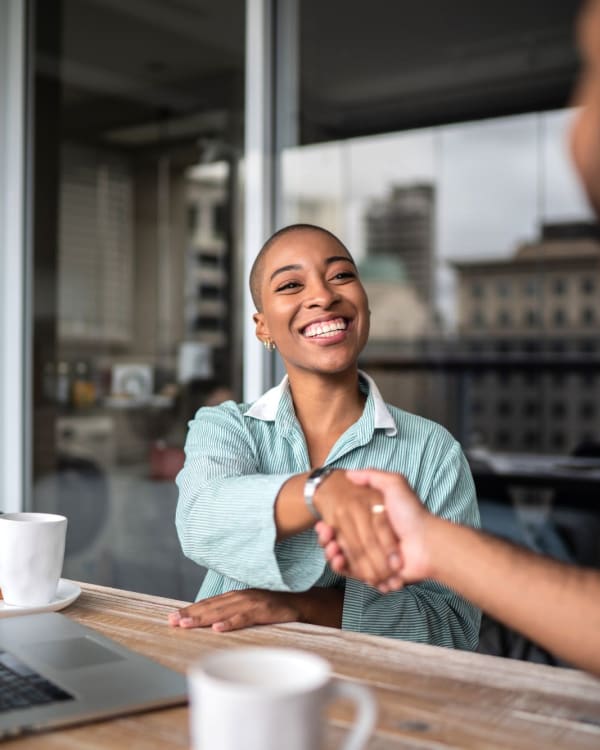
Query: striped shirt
point(239, 455)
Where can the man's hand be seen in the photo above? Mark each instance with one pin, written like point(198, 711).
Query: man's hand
point(365, 538)
point(409, 521)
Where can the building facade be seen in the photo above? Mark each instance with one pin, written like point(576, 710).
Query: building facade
point(510, 311)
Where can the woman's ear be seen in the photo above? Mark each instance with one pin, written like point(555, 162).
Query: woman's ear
point(261, 330)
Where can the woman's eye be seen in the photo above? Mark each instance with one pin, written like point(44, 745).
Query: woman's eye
point(287, 286)
point(344, 275)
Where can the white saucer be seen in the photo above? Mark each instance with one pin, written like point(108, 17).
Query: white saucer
point(66, 593)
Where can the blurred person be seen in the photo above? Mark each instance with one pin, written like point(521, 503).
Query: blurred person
point(257, 476)
point(554, 604)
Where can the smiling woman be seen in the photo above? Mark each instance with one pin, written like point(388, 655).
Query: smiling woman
point(258, 476)
point(311, 302)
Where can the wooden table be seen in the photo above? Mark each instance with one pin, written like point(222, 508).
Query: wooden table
point(429, 698)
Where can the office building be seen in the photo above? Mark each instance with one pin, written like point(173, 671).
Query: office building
point(539, 306)
point(402, 226)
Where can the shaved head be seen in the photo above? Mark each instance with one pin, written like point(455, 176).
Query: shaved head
point(256, 273)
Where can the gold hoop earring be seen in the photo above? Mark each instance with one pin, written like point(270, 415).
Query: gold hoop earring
point(269, 345)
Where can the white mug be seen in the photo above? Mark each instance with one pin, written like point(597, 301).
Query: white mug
point(269, 699)
point(32, 550)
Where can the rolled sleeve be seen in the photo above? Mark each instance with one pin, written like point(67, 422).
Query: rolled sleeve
point(225, 512)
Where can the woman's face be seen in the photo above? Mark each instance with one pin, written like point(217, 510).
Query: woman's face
point(313, 305)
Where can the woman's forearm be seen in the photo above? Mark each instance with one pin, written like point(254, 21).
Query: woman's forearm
point(291, 514)
point(320, 606)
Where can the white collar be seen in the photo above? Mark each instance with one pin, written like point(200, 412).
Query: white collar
point(265, 408)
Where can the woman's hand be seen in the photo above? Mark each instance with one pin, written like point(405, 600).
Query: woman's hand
point(367, 544)
point(243, 609)
point(409, 520)
point(236, 610)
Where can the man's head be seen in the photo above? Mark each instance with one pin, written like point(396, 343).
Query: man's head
point(585, 135)
point(256, 272)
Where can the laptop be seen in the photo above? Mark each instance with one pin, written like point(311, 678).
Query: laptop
point(55, 672)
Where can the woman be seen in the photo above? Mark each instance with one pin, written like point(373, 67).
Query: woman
point(248, 502)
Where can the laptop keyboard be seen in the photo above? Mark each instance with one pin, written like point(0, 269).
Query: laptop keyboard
point(22, 687)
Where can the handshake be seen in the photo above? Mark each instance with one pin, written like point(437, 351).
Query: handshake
point(379, 533)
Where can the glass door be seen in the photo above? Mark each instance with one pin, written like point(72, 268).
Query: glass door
point(138, 136)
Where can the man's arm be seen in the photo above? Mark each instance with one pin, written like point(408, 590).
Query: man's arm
point(554, 604)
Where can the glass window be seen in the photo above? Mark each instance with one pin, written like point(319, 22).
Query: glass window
point(588, 285)
point(587, 410)
point(504, 318)
point(532, 318)
point(531, 346)
point(503, 288)
point(478, 319)
point(504, 408)
point(530, 287)
point(559, 317)
point(531, 439)
point(559, 286)
point(588, 316)
point(477, 289)
point(451, 211)
point(588, 381)
point(139, 123)
point(477, 406)
point(503, 439)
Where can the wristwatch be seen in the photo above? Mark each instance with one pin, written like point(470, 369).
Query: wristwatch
point(314, 480)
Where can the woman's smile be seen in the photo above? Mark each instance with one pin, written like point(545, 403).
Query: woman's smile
point(314, 307)
point(326, 330)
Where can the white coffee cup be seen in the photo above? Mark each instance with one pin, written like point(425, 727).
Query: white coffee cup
point(32, 550)
point(270, 699)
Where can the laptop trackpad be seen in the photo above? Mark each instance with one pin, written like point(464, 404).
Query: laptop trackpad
point(72, 653)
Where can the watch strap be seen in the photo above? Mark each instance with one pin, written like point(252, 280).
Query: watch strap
point(315, 478)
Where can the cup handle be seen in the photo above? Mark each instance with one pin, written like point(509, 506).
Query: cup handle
point(366, 715)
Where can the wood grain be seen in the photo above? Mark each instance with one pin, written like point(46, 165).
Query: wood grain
point(429, 698)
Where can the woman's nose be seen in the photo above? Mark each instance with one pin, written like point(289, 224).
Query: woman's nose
point(321, 294)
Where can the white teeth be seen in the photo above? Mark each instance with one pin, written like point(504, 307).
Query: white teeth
point(325, 330)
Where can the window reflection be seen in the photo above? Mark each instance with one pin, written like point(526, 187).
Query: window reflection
point(458, 261)
point(139, 132)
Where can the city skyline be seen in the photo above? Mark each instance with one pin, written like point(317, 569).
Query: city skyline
point(520, 163)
